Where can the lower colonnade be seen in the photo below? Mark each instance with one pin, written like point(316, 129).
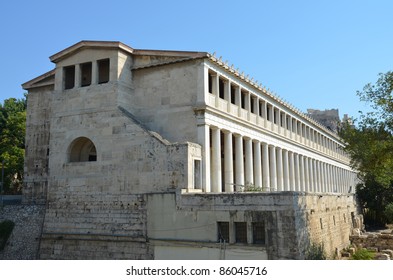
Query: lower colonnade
point(236, 162)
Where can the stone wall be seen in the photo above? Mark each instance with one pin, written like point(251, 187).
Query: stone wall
point(379, 241)
point(292, 220)
point(24, 241)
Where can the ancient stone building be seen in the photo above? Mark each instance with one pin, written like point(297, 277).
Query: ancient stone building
point(149, 154)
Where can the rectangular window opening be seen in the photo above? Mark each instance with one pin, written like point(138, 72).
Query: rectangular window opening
point(233, 97)
point(223, 232)
point(268, 112)
point(243, 100)
point(103, 71)
point(210, 82)
point(252, 100)
point(221, 87)
point(69, 77)
point(258, 233)
point(241, 232)
point(86, 70)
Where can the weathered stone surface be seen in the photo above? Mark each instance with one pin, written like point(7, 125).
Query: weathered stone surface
point(24, 241)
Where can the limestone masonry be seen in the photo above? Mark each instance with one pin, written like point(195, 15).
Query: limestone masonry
point(149, 154)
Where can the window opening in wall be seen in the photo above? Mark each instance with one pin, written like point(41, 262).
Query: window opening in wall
point(320, 221)
point(69, 77)
point(334, 220)
point(287, 122)
point(268, 112)
point(243, 99)
point(261, 109)
point(86, 74)
point(221, 87)
point(223, 232)
point(103, 71)
point(258, 233)
point(241, 232)
point(345, 218)
point(82, 149)
point(252, 108)
point(197, 174)
point(233, 95)
point(210, 82)
point(275, 116)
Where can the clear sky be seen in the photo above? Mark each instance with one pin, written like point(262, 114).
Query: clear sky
point(313, 54)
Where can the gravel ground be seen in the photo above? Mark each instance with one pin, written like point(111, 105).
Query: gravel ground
point(24, 241)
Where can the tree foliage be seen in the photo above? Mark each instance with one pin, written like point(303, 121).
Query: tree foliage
point(370, 147)
point(12, 142)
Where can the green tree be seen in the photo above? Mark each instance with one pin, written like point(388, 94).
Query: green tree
point(370, 146)
point(12, 139)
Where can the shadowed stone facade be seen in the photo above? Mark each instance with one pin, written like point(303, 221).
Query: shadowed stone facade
point(146, 154)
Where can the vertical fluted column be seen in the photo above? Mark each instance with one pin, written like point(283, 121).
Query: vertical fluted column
point(306, 174)
point(297, 173)
point(302, 180)
point(239, 162)
point(315, 175)
point(257, 165)
point(280, 175)
point(216, 160)
point(228, 162)
point(335, 179)
point(285, 170)
point(273, 169)
point(311, 175)
point(265, 167)
point(204, 140)
point(292, 181)
point(249, 162)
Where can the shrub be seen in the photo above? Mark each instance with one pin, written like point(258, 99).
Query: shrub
point(316, 252)
point(6, 228)
point(389, 213)
point(363, 254)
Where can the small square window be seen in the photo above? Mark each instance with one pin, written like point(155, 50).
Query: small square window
point(258, 233)
point(223, 231)
point(241, 232)
point(86, 74)
point(69, 77)
point(103, 71)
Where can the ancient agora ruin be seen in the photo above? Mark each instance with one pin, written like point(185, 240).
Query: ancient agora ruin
point(151, 154)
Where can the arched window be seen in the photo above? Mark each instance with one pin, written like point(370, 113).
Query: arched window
point(82, 149)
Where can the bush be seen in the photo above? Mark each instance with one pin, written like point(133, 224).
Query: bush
point(6, 228)
point(389, 213)
point(363, 254)
point(316, 252)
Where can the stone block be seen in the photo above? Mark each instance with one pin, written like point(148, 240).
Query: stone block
point(382, 257)
point(389, 252)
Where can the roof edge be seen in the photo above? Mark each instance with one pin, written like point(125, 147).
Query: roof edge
point(89, 44)
point(30, 84)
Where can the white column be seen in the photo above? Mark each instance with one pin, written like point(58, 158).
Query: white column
point(311, 175)
point(306, 174)
point(204, 140)
point(292, 172)
point(325, 178)
point(297, 173)
point(336, 186)
point(265, 167)
point(315, 175)
point(239, 162)
point(216, 160)
point(273, 169)
point(228, 162)
point(249, 164)
point(257, 165)
point(280, 175)
point(286, 170)
point(301, 166)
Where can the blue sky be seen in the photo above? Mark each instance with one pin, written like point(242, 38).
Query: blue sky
point(313, 54)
